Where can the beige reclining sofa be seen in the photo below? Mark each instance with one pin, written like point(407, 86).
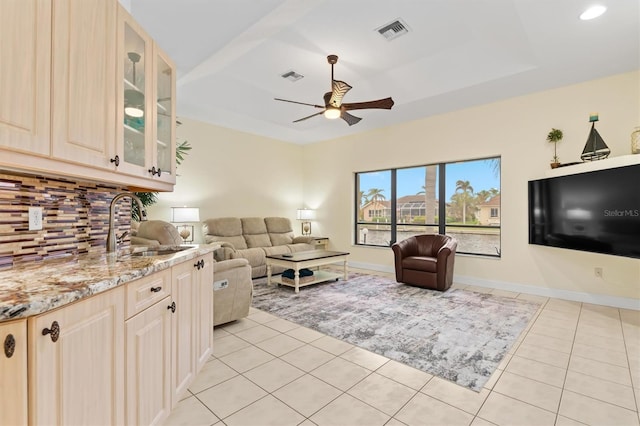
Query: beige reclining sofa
point(253, 238)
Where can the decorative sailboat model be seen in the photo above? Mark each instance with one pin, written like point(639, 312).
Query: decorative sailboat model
point(595, 148)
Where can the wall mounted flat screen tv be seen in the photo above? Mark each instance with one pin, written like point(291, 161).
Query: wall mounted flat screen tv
point(596, 211)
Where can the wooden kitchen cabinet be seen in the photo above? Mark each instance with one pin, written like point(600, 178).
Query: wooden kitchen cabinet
point(164, 116)
point(78, 379)
point(183, 297)
point(61, 109)
point(204, 310)
point(13, 380)
point(148, 365)
point(83, 82)
point(148, 349)
point(25, 67)
point(146, 104)
point(192, 322)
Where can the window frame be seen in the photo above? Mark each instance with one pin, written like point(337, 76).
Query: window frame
point(442, 206)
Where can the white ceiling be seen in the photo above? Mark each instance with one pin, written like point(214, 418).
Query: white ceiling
point(230, 55)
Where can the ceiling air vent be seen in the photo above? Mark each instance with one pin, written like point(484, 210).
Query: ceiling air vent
point(393, 30)
point(292, 76)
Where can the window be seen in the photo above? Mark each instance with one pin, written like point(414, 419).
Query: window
point(394, 204)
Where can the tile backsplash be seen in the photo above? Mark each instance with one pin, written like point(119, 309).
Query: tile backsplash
point(75, 217)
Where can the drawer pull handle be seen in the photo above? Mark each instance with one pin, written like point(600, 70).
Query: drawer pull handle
point(155, 289)
point(172, 307)
point(9, 345)
point(115, 160)
point(54, 331)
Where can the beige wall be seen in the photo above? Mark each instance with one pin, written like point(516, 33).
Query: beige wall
point(515, 129)
point(231, 173)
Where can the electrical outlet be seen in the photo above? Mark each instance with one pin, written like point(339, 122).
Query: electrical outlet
point(598, 272)
point(35, 218)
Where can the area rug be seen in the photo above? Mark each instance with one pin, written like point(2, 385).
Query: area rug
point(458, 335)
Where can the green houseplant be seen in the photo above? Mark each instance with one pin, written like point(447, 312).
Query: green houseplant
point(150, 198)
point(555, 136)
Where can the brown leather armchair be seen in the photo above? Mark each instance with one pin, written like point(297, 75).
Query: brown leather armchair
point(426, 261)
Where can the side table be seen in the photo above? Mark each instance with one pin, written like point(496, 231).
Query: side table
point(320, 243)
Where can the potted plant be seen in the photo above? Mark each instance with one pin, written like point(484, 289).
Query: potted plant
point(150, 198)
point(555, 136)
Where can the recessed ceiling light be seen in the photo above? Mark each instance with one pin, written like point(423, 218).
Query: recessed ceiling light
point(593, 12)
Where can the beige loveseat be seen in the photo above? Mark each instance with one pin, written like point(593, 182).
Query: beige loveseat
point(253, 238)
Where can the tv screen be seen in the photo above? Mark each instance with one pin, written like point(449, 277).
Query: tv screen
point(595, 211)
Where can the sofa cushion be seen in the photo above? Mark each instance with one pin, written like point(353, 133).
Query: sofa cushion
point(278, 224)
point(420, 263)
point(300, 247)
point(259, 240)
point(275, 250)
point(255, 256)
point(255, 232)
point(253, 225)
point(280, 239)
point(279, 229)
point(227, 229)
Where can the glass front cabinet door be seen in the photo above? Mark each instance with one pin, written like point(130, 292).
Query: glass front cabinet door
point(164, 152)
point(146, 104)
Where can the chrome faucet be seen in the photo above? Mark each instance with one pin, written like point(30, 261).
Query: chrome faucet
point(112, 241)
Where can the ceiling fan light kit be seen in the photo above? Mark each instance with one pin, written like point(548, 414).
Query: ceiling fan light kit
point(334, 108)
point(332, 113)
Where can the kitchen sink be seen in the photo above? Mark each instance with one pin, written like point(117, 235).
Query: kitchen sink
point(159, 252)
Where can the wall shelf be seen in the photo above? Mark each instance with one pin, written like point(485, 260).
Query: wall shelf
point(590, 166)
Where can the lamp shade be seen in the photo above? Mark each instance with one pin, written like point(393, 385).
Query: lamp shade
point(185, 214)
point(305, 214)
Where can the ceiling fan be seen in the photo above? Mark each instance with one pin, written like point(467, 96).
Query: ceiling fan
point(334, 108)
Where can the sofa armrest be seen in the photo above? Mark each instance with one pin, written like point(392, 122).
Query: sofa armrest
point(223, 253)
point(302, 239)
point(225, 265)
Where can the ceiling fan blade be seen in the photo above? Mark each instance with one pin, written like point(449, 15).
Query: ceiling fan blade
point(350, 119)
point(338, 90)
point(301, 103)
point(305, 118)
point(385, 103)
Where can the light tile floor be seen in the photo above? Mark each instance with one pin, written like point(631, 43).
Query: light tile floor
point(576, 363)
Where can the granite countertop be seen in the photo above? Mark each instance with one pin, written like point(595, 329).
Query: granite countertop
point(38, 287)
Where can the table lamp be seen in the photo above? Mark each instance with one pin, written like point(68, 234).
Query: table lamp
point(305, 215)
point(185, 215)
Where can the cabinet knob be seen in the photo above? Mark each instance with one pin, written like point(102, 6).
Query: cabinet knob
point(115, 160)
point(9, 345)
point(159, 172)
point(155, 171)
point(172, 307)
point(54, 331)
point(155, 289)
point(199, 264)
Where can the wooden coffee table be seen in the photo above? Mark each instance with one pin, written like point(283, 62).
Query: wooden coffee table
point(306, 259)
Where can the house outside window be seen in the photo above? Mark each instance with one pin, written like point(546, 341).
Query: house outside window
point(394, 204)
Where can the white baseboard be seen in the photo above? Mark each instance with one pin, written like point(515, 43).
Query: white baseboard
point(577, 296)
